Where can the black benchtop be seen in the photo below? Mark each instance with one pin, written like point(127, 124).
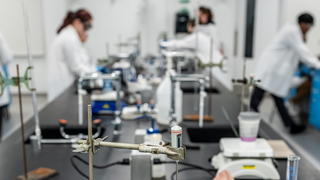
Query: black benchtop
point(58, 156)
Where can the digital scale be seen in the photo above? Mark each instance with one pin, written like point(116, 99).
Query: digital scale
point(246, 160)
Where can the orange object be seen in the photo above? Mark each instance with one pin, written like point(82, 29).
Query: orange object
point(195, 117)
point(63, 121)
point(39, 174)
point(97, 121)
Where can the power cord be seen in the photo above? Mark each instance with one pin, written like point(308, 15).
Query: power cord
point(74, 165)
point(194, 166)
point(186, 169)
point(126, 161)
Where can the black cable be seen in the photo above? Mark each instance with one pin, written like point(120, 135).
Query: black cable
point(74, 165)
point(99, 166)
point(190, 165)
point(180, 170)
point(77, 169)
point(186, 164)
point(186, 169)
point(127, 162)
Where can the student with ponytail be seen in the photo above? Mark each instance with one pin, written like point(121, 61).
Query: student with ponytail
point(68, 59)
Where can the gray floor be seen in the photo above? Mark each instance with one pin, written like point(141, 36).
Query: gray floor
point(13, 123)
point(307, 142)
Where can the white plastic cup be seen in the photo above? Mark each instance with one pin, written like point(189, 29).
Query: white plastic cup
point(249, 126)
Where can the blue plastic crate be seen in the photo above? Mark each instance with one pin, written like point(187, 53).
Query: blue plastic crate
point(314, 117)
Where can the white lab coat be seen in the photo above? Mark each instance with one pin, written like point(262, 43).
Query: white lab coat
point(280, 60)
point(202, 43)
point(6, 57)
point(68, 59)
point(210, 30)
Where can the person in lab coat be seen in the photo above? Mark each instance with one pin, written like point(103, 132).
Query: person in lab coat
point(68, 59)
point(278, 63)
point(5, 58)
point(205, 50)
point(206, 23)
point(208, 26)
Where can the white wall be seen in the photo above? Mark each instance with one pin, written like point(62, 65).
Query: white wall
point(13, 29)
point(113, 20)
point(272, 15)
point(122, 18)
point(266, 27)
point(12, 25)
point(294, 8)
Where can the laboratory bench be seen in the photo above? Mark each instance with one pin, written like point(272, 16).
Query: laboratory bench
point(57, 156)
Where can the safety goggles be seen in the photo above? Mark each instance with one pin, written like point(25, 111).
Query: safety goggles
point(87, 26)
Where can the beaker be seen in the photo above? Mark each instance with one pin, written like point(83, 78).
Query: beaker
point(293, 167)
point(249, 125)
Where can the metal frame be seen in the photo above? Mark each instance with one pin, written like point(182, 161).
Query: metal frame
point(201, 79)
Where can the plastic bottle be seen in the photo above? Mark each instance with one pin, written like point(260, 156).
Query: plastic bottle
point(164, 101)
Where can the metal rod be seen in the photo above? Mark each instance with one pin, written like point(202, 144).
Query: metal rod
point(80, 103)
point(24, 154)
point(186, 78)
point(34, 96)
point(195, 88)
point(58, 141)
point(173, 102)
point(196, 15)
point(177, 170)
point(90, 141)
point(118, 89)
point(243, 87)
point(140, 147)
point(120, 145)
point(210, 75)
point(201, 103)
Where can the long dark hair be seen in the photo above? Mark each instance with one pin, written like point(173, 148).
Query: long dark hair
point(208, 12)
point(82, 14)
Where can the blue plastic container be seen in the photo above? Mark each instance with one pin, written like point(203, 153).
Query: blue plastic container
point(314, 117)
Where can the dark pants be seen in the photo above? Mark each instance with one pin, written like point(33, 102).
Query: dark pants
point(256, 99)
point(4, 114)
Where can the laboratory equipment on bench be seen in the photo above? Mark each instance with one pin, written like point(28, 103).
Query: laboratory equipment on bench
point(293, 167)
point(132, 45)
point(246, 84)
point(37, 130)
point(141, 160)
point(39, 173)
point(249, 125)
point(25, 79)
point(93, 81)
point(115, 77)
point(247, 157)
point(92, 145)
point(164, 101)
point(174, 117)
point(15, 81)
point(102, 93)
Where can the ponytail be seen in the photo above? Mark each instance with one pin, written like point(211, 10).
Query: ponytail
point(82, 14)
point(67, 21)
